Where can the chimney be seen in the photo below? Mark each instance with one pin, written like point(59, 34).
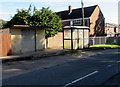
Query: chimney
point(70, 10)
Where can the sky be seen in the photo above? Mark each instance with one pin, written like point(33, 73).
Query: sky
point(109, 8)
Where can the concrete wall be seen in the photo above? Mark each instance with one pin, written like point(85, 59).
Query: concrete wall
point(40, 39)
point(97, 27)
point(16, 37)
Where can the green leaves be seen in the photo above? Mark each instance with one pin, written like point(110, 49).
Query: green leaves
point(2, 22)
point(34, 17)
point(22, 17)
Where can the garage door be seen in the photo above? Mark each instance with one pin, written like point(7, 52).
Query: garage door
point(28, 40)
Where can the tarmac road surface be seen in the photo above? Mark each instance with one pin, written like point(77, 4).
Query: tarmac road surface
point(93, 70)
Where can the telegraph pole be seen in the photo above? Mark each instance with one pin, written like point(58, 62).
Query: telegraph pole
point(83, 22)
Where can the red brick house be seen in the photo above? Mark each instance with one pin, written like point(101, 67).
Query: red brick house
point(92, 15)
point(112, 30)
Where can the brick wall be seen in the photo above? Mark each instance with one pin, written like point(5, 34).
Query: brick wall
point(55, 41)
point(97, 27)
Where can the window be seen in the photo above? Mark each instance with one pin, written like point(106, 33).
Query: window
point(77, 22)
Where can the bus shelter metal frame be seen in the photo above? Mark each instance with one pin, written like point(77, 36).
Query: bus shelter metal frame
point(72, 28)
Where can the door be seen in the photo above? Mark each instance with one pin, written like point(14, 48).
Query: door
point(28, 40)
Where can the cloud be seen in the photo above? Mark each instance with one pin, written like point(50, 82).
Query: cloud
point(58, 0)
point(119, 13)
point(5, 13)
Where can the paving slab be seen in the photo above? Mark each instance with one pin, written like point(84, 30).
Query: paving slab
point(36, 55)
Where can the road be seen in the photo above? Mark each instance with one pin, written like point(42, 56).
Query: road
point(93, 70)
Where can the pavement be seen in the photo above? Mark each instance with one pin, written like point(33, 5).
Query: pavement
point(20, 64)
point(36, 55)
point(42, 55)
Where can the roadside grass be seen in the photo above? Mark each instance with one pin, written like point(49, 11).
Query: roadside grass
point(69, 46)
point(95, 47)
point(105, 46)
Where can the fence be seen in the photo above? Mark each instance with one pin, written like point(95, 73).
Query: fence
point(104, 40)
point(5, 44)
point(57, 41)
point(97, 40)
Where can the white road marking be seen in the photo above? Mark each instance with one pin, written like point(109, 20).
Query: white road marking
point(81, 78)
point(118, 61)
point(109, 66)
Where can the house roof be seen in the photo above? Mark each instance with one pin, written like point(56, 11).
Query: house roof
point(111, 24)
point(77, 13)
point(28, 26)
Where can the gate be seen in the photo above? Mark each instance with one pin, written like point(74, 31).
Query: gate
point(5, 44)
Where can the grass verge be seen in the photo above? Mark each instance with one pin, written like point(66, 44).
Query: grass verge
point(105, 46)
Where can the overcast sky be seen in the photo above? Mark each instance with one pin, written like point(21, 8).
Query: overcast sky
point(109, 8)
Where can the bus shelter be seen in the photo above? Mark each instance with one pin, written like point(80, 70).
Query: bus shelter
point(75, 37)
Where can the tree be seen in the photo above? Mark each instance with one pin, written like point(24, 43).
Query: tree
point(43, 17)
point(20, 18)
point(2, 22)
point(46, 17)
